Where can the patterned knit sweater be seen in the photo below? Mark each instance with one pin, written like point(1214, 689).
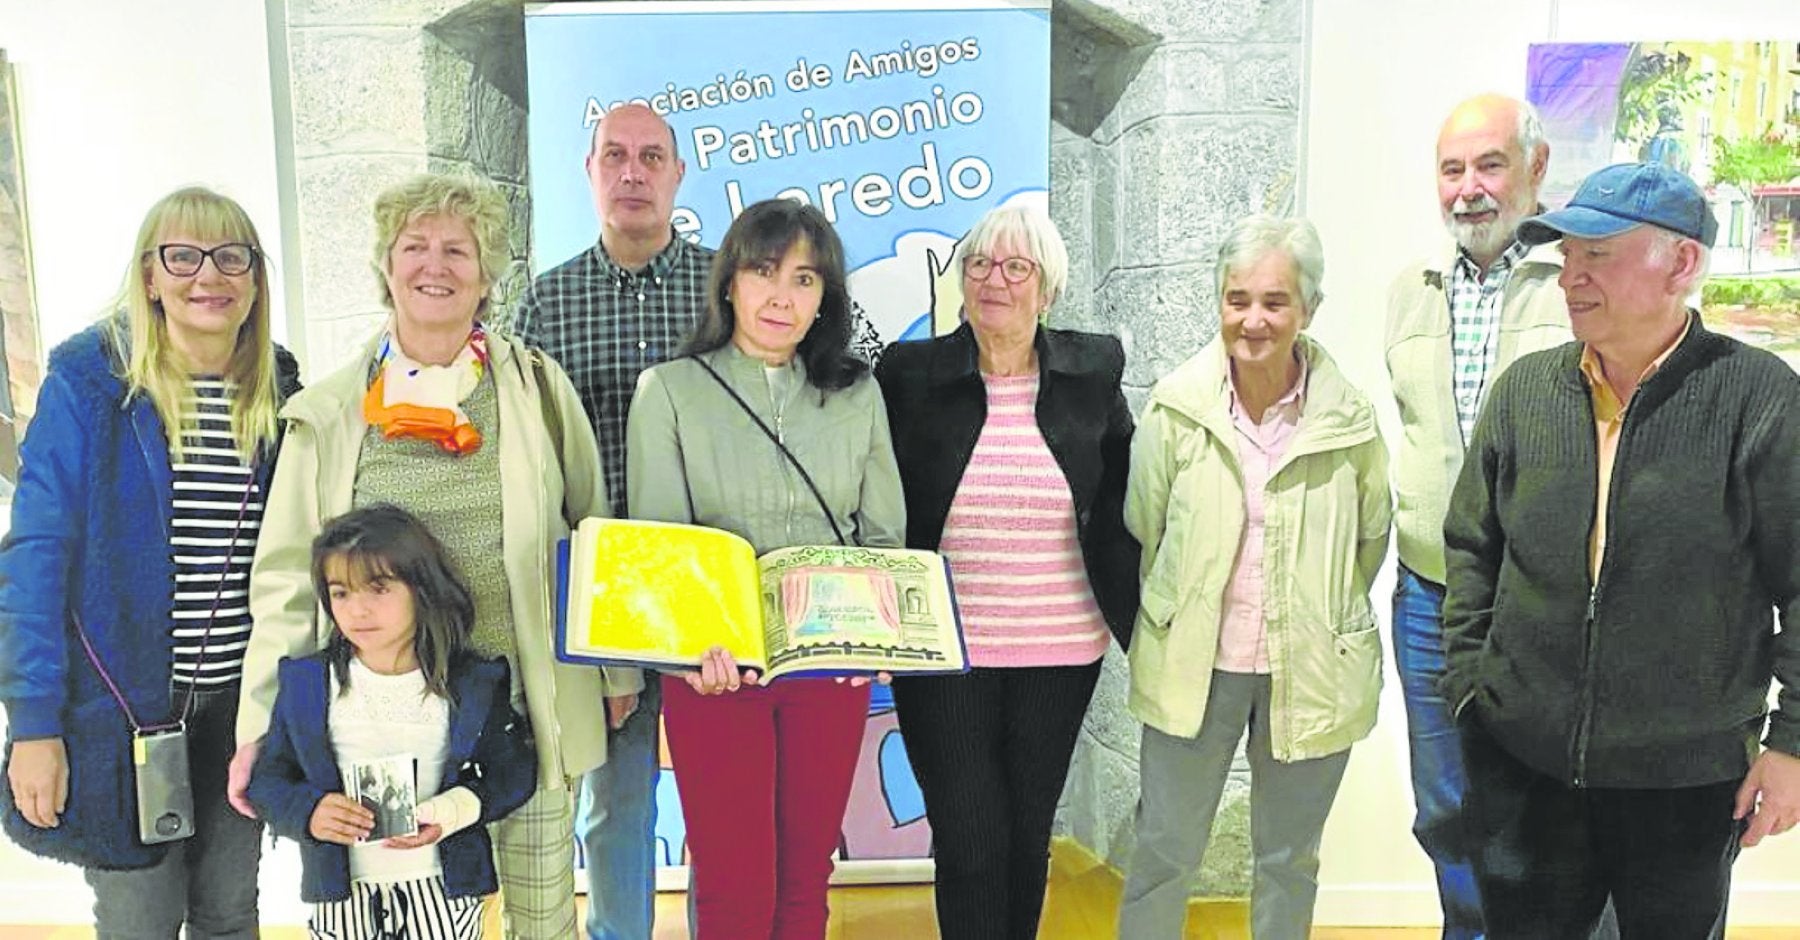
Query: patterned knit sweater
point(1656, 674)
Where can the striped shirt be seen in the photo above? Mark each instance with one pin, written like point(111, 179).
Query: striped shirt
point(1475, 306)
point(1010, 539)
point(211, 549)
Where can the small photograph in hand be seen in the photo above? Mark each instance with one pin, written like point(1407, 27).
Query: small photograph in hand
point(388, 788)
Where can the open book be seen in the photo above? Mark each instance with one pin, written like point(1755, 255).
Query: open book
point(662, 594)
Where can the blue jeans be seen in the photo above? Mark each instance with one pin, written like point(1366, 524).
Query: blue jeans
point(1438, 779)
point(1440, 782)
point(615, 819)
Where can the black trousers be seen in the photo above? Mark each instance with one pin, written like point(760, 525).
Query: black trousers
point(991, 750)
point(1548, 856)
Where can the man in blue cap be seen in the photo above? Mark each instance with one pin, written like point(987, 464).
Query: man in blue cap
point(1623, 530)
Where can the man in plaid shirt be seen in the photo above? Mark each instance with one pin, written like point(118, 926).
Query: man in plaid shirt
point(606, 315)
point(1454, 323)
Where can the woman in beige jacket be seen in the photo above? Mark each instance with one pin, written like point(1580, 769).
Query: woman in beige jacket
point(1258, 488)
point(485, 441)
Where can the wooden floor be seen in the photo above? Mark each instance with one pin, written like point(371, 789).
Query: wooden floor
point(1082, 903)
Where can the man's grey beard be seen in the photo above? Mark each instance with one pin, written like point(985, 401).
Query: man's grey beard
point(1484, 239)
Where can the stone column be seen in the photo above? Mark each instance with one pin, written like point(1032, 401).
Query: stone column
point(379, 90)
point(1184, 118)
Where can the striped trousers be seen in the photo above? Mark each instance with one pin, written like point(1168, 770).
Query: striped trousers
point(417, 910)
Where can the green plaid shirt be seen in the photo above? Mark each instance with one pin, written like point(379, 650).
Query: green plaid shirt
point(1475, 304)
point(604, 325)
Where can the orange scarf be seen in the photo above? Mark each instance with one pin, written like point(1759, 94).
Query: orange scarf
point(408, 399)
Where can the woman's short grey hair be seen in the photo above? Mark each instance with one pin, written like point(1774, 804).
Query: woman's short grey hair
point(1026, 227)
point(1253, 237)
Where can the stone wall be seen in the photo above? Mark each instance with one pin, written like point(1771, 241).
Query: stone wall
point(1171, 120)
point(1207, 130)
point(379, 90)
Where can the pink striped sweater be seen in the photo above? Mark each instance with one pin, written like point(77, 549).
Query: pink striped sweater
point(1011, 543)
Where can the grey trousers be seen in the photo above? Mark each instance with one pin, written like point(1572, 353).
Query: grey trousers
point(207, 880)
point(1181, 780)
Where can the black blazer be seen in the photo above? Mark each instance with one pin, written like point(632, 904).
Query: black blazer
point(937, 404)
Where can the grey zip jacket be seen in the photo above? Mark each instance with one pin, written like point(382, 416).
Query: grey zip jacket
point(694, 455)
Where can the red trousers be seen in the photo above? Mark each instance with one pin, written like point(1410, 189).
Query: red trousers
point(764, 774)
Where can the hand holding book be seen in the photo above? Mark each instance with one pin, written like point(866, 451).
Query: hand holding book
point(719, 673)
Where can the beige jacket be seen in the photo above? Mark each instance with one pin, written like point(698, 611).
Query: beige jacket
point(314, 481)
point(1533, 316)
point(1326, 516)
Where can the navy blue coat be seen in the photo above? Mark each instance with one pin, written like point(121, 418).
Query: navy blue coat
point(490, 753)
point(90, 535)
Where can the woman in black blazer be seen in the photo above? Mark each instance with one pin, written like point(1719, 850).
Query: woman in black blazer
point(1013, 442)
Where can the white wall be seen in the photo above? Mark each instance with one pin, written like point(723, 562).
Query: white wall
point(1383, 75)
point(121, 101)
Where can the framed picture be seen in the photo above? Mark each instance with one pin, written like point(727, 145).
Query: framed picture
point(1725, 113)
point(21, 364)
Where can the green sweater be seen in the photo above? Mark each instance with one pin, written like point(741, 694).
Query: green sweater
point(1657, 675)
point(692, 455)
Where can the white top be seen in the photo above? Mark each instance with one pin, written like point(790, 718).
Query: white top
point(381, 717)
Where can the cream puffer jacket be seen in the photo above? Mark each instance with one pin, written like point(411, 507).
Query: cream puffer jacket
point(315, 481)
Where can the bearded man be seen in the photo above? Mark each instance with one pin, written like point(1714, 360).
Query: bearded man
point(1455, 322)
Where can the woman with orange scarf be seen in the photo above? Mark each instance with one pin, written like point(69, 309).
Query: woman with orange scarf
point(483, 439)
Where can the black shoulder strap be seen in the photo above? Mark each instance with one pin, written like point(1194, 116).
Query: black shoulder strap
point(716, 377)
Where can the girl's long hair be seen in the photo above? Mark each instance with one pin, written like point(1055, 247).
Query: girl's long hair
point(385, 541)
point(139, 331)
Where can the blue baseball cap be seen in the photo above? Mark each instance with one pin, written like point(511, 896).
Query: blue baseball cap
point(1623, 196)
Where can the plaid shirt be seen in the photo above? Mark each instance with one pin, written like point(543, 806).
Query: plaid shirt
point(1475, 304)
point(604, 325)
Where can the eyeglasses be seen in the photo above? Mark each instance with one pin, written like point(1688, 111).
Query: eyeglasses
point(231, 258)
point(1014, 270)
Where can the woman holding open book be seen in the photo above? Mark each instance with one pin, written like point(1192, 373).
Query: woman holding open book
point(767, 427)
point(484, 440)
point(1013, 441)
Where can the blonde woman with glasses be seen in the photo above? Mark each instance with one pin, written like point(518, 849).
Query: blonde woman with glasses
point(122, 580)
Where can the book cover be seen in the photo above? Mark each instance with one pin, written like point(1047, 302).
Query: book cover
point(662, 594)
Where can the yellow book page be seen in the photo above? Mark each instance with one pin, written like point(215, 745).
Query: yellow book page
point(664, 593)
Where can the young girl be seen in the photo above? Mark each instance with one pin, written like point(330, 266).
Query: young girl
point(394, 684)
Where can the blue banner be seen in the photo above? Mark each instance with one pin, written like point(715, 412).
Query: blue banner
point(903, 122)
